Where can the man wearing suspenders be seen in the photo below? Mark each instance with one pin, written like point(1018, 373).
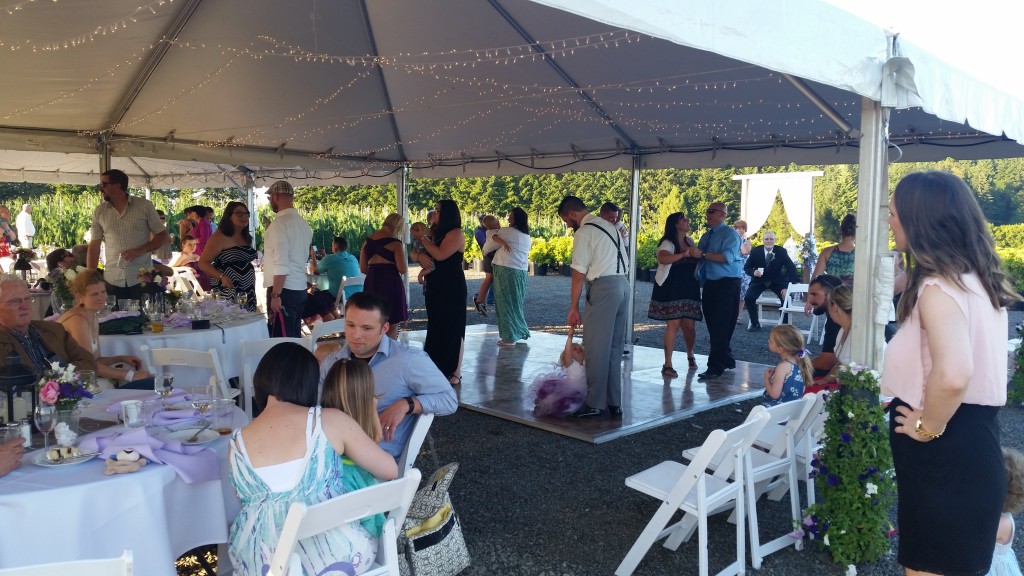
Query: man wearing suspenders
point(599, 260)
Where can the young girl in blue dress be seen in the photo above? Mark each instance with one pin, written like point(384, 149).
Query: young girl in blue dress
point(785, 382)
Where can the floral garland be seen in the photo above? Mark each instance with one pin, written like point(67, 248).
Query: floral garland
point(809, 253)
point(854, 474)
point(1015, 393)
point(62, 387)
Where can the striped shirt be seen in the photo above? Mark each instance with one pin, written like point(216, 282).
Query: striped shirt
point(124, 231)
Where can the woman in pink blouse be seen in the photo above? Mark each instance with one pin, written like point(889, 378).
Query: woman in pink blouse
point(946, 368)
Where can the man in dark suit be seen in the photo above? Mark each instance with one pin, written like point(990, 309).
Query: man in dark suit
point(770, 268)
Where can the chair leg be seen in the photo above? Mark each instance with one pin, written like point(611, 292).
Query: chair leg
point(702, 540)
point(646, 539)
point(755, 539)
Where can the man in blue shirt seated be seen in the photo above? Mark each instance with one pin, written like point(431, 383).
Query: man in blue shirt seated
point(406, 380)
point(338, 266)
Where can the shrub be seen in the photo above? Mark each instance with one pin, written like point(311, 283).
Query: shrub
point(1013, 264)
point(540, 252)
point(1009, 235)
point(561, 249)
point(646, 251)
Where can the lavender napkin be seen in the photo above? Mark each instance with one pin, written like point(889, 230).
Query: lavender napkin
point(191, 463)
point(178, 320)
point(176, 395)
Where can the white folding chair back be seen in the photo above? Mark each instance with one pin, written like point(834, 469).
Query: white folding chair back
point(252, 353)
point(806, 435)
point(698, 494)
point(412, 448)
point(324, 328)
point(793, 308)
point(392, 498)
point(189, 275)
point(120, 566)
point(208, 359)
point(765, 302)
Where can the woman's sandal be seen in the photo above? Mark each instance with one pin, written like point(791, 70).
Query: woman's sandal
point(480, 306)
point(692, 361)
point(669, 372)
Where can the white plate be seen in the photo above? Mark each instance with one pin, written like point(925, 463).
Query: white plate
point(40, 459)
point(183, 435)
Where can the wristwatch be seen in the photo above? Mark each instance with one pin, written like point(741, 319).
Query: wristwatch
point(412, 404)
point(278, 295)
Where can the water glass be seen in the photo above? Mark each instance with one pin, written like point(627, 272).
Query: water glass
point(164, 384)
point(222, 415)
point(131, 414)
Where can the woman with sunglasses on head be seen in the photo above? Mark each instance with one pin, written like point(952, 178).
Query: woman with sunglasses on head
point(228, 256)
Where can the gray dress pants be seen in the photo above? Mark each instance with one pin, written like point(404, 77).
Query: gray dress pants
point(604, 333)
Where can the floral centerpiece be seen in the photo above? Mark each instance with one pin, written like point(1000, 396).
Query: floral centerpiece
point(149, 276)
point(24, 254)
point(853, 473)
point(63, 387)
point(60, 279)
point(1015, 393)
point(172, 297)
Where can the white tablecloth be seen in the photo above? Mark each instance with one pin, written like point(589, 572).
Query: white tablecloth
point(227, 343)
point(76, 512)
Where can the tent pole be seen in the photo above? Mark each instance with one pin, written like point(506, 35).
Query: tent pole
point(250, 202)
point(872, 235)
point(104, 146)
point(403, 211)
point(634, 228)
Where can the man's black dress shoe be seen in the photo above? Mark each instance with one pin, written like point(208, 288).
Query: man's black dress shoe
point(587, 412)
point(707, 375)
point(754, 328)
point(615, 411)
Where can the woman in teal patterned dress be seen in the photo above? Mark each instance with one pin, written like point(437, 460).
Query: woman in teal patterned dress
point(292, 452)
point(838, 260)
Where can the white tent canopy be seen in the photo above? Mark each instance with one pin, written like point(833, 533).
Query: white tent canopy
point(194, 93)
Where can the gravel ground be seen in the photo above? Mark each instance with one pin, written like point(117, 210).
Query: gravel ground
point(536, 503)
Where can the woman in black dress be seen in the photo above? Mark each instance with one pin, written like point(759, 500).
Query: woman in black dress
point(446, 298)
point(382, 259)
point(228, 255)
point(676, 295)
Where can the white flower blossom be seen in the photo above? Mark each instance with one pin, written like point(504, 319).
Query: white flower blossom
point(826, 540)
point(70, 274)
point(157, 279)
point(850, 415)
point(851, 570)
point(872, 489)
point(875, 374)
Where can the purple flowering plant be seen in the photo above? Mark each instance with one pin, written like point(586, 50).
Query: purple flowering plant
point(63, 387)
point(853, 474)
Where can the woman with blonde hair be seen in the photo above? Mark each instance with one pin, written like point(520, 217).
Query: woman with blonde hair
point(946, 369)
point(383, 260)
point(80, 321)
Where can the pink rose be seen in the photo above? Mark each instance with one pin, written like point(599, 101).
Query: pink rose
point(50, 392)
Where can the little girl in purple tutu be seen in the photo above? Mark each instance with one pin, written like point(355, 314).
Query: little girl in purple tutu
point(564, 390)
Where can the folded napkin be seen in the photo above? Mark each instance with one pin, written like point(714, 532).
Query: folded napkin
point(191, 463)
point(168, 417)
point(178, 320)
point(119, 314)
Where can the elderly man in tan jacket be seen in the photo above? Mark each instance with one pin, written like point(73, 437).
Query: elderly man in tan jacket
point(36, 342)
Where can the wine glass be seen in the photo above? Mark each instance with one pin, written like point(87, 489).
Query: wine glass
point(45, 417)
point(201, 401)
point(242, 298)
point(164, 385)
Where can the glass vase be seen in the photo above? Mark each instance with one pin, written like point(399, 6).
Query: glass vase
point(69, 417)
point(57, 303)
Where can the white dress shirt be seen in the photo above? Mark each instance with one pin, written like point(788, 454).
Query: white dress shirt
point(594, 253)
point(519, 244)
point(286, 249)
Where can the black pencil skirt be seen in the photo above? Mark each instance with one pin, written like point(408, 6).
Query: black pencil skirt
point(950, 493)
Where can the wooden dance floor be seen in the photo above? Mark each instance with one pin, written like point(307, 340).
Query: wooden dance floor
point(495, 380)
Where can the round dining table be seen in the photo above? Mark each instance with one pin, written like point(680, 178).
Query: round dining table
point(225, 337)
point(76, 512)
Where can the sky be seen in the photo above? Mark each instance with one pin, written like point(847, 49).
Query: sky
point(982, 36)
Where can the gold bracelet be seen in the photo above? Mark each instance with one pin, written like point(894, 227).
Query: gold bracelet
point(930, 435)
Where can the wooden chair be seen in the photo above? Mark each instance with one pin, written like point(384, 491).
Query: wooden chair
point(304, 522)
point(208, 359)
point(698, 494)
point(120, 566)
point(252, 353)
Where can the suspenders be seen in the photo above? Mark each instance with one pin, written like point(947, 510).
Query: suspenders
point(618, 247)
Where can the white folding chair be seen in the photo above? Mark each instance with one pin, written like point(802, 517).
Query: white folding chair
point(768, 301)
point(412, 448)
point(769, 470)
point(324, 328)
point(119, 566)
point(252, 353)
point(698, 494)
point(806, 435)
point(792, 308)
point(208, 359)
point(304, 522)
point(189, 275)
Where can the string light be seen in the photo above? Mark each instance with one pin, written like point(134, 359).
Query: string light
point(110, 28)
